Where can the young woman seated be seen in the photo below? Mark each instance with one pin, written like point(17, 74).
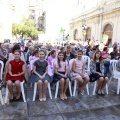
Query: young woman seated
point(97, 73)
point(16, 71)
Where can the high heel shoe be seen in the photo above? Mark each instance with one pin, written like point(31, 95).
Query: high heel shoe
point(11, 100)
point(99, 94)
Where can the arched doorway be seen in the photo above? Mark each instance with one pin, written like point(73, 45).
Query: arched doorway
point(88, 34)
point(108, 30)
point(75, 34)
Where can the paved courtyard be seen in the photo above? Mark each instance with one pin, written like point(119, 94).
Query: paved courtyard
point(75, 108)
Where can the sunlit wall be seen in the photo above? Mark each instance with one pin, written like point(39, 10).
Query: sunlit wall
point(5, 20)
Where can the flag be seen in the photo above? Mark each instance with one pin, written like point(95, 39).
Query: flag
point(105, 38)
point(93, 39)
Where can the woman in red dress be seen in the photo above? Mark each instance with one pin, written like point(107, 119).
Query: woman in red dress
point(16, 71)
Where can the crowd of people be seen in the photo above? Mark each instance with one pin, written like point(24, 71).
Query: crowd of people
point(47, 63)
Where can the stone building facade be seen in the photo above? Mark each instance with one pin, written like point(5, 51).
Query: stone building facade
point(104, 18)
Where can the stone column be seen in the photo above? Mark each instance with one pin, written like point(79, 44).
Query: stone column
point(100, 29)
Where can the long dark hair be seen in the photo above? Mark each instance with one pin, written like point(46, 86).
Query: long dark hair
point(59, 59)
point(94, 58)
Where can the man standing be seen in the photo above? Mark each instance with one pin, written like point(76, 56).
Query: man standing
point(22, 41)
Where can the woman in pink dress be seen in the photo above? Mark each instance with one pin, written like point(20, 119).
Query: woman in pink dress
point(78, 68)
point(61, 74)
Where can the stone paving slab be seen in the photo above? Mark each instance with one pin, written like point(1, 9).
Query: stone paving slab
point(86, 107)
point(82, 115)
point(42, 108)
point(13, 110)
point(70, 105)
point(118, 107)
point(108, 113)
point(94, 102)
point(114, 99)
point(48, 117)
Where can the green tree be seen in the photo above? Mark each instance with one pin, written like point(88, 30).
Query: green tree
point(16, 29)
point(25, 27)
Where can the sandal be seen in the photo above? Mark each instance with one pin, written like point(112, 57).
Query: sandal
point(65, 97)
point(82, 93)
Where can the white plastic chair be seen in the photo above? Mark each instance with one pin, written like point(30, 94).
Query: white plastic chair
point(35, 90)
point(75, 81)
point(1, 72)
point(57, 85)
point(22, 90)
point(114, 74)
point(95, 86)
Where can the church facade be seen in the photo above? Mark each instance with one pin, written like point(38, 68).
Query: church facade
point(102, 19)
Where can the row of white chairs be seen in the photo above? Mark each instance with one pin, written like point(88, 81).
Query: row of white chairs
point(87, 59)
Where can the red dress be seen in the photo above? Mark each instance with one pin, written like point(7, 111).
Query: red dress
point(16, 68)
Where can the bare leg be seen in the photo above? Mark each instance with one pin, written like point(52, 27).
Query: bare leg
point(62, 87)
point(104, 83)
point(6, 70)
point(80, 82)
point(40, 89)
point(10, 88)
point(45, 88)
point(100, 82)
point(17, 84)
point(86, 80)
point(65, 88)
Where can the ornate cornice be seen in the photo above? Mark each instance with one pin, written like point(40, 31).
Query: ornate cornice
point(106, 7)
